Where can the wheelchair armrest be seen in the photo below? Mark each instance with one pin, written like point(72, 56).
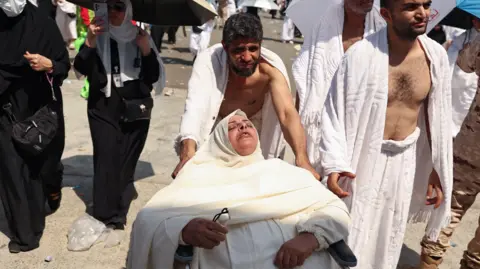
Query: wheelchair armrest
point(342, 254)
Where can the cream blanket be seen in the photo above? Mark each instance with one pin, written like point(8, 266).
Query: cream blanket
point(253, 189)
point(206, 89)
point(315, 67)
point(354, 118)
point(464, 85)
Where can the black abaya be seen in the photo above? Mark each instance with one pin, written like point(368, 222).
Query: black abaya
point(22, 177)
point(116, 145)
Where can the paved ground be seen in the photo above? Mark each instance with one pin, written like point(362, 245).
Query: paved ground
point(155, 166)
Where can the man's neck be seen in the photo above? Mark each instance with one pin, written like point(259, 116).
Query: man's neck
point(399, 46)
point(353, 18)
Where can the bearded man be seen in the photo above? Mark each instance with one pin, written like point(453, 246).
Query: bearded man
point(240, 74)
point(387, 123)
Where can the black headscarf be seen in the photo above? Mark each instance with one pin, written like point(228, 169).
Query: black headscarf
point(33, 32)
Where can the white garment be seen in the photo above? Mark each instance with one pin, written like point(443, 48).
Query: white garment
point(386, 199)
point(288, 30)
point(264, 4)
point(12, 8)
point(315, 67)
point(125, 35)
point(464, 85)
point(206, 89)
point(231, 7)
point(266, 209)
point(452, 32)
point(353, 125)
point(200, 42)
point(66, 24)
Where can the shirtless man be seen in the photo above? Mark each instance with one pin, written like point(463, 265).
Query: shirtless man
point(240, 74)
point(373, 130)
point(313, 70)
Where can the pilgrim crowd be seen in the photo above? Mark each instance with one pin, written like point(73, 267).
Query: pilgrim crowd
point(383, 129)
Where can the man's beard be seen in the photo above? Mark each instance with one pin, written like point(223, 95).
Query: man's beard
point(244, 72)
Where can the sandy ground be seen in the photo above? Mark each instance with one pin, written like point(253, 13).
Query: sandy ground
point(153, 172)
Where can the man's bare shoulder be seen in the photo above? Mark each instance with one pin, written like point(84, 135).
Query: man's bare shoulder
point(269, 70)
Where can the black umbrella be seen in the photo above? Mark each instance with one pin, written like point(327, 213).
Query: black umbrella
point(458, 18)
point(166, 12)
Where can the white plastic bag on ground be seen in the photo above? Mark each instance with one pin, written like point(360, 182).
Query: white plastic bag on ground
point(84, 232)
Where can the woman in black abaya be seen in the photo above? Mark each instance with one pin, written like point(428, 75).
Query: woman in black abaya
point(122, 63)
point(32, 54)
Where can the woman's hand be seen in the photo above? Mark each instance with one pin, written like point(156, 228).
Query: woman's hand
point(96, 27)
point(204, 233)
point(38, 62)
point(143, 42)
point(295, 251)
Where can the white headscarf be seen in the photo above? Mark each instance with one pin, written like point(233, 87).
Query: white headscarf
point(218, 148)
point(125, 35)
point(12, 8)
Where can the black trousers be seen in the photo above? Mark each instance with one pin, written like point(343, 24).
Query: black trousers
point(24, 180)
point(116, 150)
point(158, 32)
point(253, 11)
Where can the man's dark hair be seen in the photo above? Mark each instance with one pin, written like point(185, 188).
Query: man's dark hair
point(242, 26)
point(386, 3)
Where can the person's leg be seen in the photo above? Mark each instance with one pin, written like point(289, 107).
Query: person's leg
point(106, 139)
point(135, 136)
point(471, 257)
point(172, 34)
point(21, 192)
point(433, 252)
point(466, 186)
point(157, 35)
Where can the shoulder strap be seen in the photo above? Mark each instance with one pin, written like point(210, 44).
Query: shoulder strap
point(50, 81)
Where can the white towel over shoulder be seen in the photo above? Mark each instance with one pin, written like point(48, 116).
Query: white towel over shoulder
point(206, 89)
point(315, 67)
point(353, 124)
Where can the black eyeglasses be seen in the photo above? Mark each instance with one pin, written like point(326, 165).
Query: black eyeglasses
point(117, 6)
point(217, 216)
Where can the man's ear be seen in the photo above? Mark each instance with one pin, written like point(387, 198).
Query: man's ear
point(385, 14)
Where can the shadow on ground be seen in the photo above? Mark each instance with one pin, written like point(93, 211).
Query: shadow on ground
point(181, 50)
point(173, 60)
point(78, 175)
point(409, 258)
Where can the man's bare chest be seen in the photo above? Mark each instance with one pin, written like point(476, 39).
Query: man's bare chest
point(248, 97)
point(409, 83)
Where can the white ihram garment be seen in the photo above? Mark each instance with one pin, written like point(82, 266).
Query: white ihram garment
point(353, 126)
point(288, 30)
point(315, 67)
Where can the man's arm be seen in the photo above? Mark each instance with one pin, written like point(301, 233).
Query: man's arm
point(469, 57)
point(289, 119)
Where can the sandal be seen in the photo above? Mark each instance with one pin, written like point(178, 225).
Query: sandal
point(54, 200)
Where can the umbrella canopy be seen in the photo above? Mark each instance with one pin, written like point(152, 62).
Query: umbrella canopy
point(455, 10)
point(265, 4)
point(166, 12)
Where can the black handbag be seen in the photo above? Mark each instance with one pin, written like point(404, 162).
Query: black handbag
point(134, 109)
point(34, 134)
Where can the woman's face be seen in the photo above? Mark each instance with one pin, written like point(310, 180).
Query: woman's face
point(116, 12)
point(242, 135)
